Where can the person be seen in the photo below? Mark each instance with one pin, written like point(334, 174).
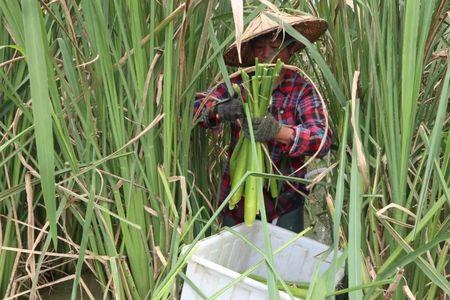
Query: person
point(294, 125)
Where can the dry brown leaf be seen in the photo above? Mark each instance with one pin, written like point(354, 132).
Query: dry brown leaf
point(362, 162)
point(67, 278)
point(440, 54)
point(55, 254)
point(160, 255)
point(30, 262)
point(237, 7)
point(151, 211)
point(159, 89)
point(381, 215)
point(408, 293)
point(318, 175)
point(184, 198)
point(388, 295)
point(86, 289)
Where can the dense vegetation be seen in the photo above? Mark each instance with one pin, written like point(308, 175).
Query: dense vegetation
point(102, 169)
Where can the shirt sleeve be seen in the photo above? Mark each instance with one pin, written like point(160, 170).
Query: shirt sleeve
point(308, 134)
point(205, 100)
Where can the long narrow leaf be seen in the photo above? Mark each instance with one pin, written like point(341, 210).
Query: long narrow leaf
point(35, 44)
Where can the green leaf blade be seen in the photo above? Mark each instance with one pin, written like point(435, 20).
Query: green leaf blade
point(42, 108)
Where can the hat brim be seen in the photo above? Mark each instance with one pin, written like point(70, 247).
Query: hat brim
point(311, 29)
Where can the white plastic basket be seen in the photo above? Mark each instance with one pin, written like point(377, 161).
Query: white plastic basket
point(220, 258)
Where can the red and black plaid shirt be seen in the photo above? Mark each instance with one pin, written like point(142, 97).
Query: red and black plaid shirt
point(295, 103)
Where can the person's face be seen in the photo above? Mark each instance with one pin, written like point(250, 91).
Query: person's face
point(266, 49)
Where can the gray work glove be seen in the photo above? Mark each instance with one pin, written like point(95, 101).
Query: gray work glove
point(231, 110)
point(264, 129)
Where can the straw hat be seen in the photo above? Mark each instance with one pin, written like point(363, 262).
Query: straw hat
point(309, 26)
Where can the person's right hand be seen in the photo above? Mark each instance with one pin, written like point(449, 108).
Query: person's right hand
point(264, 129)
point(231, 110)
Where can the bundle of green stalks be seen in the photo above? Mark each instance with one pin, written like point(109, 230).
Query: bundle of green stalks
point(248, 156)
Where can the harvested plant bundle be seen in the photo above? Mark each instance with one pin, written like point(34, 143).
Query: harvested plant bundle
point(246, 157)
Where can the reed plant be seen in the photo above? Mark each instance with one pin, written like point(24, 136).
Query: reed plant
point(103, 171)
point(389, 199)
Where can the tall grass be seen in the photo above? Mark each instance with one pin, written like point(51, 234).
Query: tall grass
point(102, 170)
point(121, 130)
point(401, 98)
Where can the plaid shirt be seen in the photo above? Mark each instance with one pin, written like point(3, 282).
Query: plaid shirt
point(295, 103)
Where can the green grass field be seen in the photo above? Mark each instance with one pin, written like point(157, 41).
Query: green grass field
point(103, 171)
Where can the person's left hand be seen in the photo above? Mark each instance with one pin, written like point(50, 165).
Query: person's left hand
point(264, 129)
